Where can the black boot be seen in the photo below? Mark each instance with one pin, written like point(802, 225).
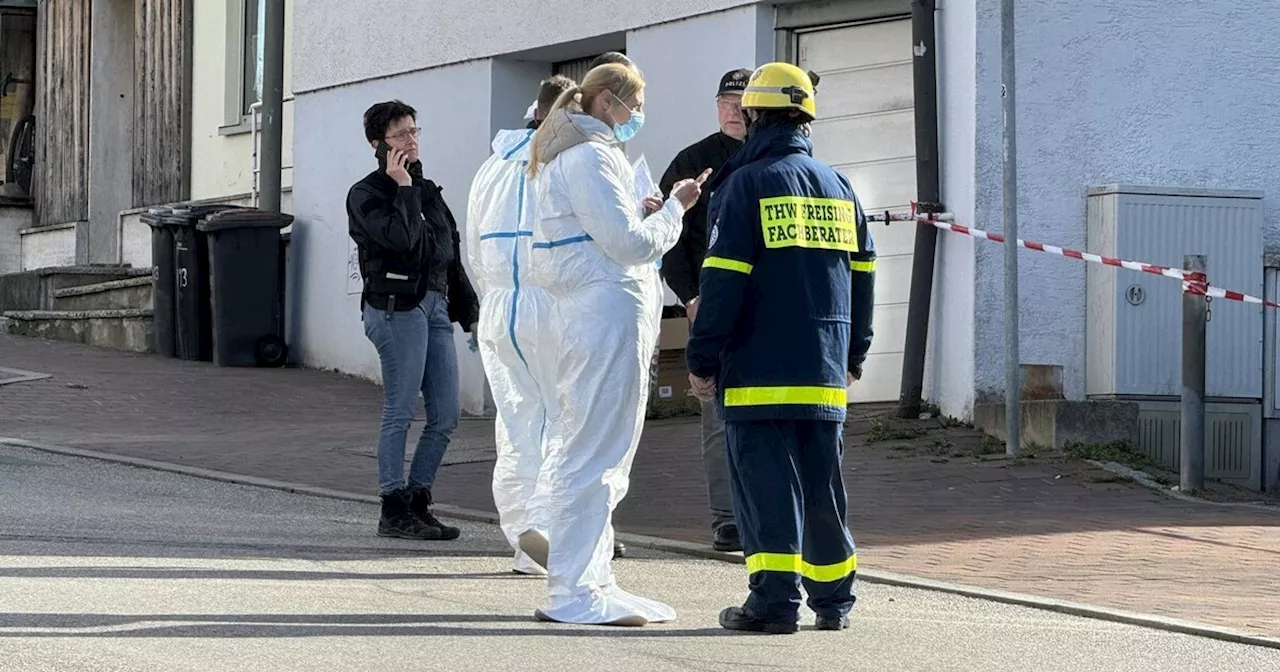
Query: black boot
point(619, 550)
point(398, 521)
point(420, 506)
point(726, 538)
point(738, 618)
point(831, 623)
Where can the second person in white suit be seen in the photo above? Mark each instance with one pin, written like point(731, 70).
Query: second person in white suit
point(594, 251)
point(500, 215)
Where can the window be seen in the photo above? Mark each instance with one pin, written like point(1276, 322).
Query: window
point(251, 77)
point(17, 102)
point(246, 29)
point(575, 69)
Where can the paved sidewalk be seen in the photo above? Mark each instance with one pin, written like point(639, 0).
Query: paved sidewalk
point(928, 505)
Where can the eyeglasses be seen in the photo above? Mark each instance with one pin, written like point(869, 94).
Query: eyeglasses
point(404, 135)
point(729, 105)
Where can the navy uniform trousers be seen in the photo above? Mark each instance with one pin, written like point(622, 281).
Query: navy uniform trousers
point(790, 502)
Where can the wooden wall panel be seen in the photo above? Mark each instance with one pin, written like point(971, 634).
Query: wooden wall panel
point(62, 112)
point(161, 101)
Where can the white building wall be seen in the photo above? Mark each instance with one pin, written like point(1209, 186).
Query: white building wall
point(452, 104)
point(950, 361)
point(1109, 92)
point(340, 45)
point(12, 222)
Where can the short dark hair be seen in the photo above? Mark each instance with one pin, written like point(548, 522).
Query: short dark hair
point(550, 90)
point(789, 117)
point(379, 117)
point(610, 57)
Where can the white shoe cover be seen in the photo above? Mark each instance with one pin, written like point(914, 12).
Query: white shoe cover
point(525, 565)
point(610, 606)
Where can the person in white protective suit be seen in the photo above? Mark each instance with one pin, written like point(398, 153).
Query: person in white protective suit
point(594, 250)
point(499, 217)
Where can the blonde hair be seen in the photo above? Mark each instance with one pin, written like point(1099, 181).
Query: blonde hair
point(621, 80)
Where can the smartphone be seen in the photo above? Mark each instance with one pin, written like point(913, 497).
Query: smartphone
point(381, 154)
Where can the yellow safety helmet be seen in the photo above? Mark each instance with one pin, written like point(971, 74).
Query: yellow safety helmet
point(780, 86)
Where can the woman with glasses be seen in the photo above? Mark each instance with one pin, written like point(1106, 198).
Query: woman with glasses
point(414, 289)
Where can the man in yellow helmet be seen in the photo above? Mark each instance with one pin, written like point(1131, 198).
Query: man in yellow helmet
point(783, 328)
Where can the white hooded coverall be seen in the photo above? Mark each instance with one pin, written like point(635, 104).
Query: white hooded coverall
point(596, 258)
point(499, 243)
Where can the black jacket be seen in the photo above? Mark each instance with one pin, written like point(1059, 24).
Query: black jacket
point(409, 245)
point(682, 266)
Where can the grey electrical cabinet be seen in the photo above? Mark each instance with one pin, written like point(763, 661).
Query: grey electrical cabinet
point(1133, 344)
point(1134, 324)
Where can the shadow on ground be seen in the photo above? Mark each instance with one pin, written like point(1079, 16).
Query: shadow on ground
point(231, 626)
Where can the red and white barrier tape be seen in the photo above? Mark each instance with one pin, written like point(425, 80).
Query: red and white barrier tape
point(1192, 282)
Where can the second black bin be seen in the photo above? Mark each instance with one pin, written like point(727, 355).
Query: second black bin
point(244, 278)
point(194, 340)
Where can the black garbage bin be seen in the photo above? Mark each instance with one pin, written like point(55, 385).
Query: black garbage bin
point(286, 288)
point(194, 332)
point(244, 273)
point(164, 317)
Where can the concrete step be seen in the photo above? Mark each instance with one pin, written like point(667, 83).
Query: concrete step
point(128, 330)
point(111, 295)
point(33, 290)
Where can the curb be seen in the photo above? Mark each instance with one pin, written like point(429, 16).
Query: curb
point(1144, 479)
point(1161, 623)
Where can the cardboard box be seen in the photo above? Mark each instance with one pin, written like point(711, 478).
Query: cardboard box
point(674, 334)
point(671, 394)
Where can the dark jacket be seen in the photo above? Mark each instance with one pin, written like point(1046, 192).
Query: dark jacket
point(409, 245)
point(785, 307)
point(682, 265)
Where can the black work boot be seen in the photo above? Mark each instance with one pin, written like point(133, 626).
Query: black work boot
point(398, 521)
point(726, 539)
point(738, 618)
point(831, 623)
point(420, 506)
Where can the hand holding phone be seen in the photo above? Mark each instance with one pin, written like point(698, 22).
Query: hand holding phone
point(395, 163)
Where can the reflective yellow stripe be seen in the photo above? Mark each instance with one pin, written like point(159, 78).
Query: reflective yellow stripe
point(830, 573)
point(863, 266)
point(814, 223)
point(792, 562)
point(770, 396)
point(727, 264)
point(774, 562)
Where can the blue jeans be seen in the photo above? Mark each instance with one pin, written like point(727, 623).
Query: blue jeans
point(416, 349)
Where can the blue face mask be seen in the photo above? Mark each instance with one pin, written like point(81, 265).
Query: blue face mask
point(624, 132)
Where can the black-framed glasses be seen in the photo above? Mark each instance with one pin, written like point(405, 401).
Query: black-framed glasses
point(403, 135)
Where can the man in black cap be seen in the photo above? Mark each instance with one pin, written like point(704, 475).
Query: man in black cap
point(681, 268)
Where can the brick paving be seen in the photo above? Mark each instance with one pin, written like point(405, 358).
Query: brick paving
point(924, 500)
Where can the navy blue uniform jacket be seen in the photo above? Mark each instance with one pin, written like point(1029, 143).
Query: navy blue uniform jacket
point(787, 285)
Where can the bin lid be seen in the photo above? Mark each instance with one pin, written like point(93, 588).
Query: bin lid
point(157, 216)
point(245, 218)
point(190, 215)
point(208, 209)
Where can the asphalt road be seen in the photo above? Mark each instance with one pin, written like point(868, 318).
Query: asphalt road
point(108, 567)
